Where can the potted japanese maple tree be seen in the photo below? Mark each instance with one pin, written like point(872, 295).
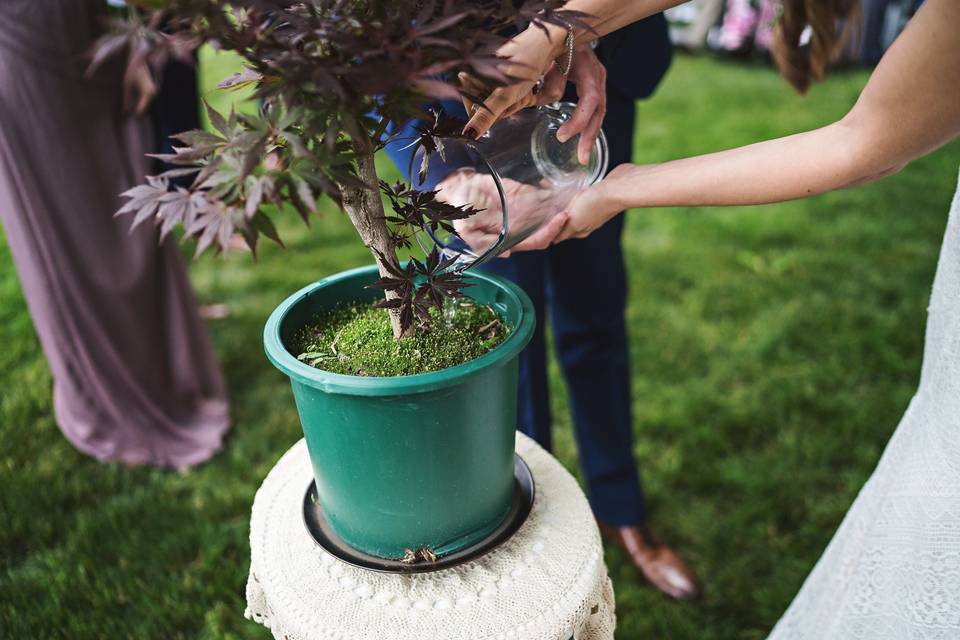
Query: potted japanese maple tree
point(411, 438)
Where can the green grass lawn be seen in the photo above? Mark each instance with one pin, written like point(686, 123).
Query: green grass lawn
point(774, 349)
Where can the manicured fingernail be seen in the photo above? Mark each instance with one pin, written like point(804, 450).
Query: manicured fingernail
point(471, 133)
point(562, 137)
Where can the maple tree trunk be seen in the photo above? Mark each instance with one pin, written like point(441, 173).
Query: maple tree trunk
point(365, 210)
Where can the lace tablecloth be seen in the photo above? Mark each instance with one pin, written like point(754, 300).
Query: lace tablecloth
point(548, 582)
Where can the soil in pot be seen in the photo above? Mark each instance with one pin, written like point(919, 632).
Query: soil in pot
point(356, 339)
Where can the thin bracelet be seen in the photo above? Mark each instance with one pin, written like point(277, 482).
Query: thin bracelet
point(565, 70)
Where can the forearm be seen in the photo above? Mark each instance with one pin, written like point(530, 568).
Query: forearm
point(605, 16)
point(910, 106)
point(787, 168)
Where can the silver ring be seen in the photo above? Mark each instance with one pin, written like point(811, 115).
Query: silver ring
point(473, 108)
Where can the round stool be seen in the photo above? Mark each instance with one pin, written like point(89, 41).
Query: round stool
point(547, 582)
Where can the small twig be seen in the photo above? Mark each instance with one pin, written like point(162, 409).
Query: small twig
point(333, 347)
point(490, 329)
point(420, 555)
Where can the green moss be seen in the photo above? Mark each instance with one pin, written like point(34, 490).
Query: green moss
point(357, 340)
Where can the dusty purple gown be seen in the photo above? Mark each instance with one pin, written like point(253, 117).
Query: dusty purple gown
point(135, 378)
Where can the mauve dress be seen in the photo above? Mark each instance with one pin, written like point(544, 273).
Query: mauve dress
point(135, 377)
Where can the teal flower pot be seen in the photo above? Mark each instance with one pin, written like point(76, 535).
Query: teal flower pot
point(408, 462)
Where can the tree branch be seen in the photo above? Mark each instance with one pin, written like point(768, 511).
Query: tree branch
point(365, 210)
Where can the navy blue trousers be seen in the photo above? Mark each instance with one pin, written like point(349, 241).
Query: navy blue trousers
point(581, 286)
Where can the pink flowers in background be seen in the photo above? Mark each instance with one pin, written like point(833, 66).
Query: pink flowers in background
point(766, 19)
point(747, 22)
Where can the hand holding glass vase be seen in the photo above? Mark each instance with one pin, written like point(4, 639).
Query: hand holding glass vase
point(520, 176)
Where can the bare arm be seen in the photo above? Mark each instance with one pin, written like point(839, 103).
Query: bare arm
point(910, 106)
point(606, 16)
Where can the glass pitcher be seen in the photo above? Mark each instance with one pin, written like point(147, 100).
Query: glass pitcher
point(517, 173)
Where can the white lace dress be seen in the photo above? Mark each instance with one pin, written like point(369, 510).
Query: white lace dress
point(892, 570)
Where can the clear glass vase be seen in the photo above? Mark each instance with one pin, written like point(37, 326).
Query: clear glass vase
point(518, 173)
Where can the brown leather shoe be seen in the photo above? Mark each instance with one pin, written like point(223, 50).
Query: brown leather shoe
point(657, 562)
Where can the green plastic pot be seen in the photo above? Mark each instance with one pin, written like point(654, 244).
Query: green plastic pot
point(408, 462)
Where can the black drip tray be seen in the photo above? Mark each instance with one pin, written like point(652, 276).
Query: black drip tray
point(324, 535)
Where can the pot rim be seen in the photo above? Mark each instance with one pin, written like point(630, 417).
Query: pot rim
point(329, 382)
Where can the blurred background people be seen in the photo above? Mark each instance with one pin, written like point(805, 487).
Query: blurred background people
point(135, 379)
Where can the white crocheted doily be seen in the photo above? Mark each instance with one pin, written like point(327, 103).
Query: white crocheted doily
point(548, 582)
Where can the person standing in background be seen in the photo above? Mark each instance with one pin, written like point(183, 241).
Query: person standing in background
point(591, 340)
point(135, 379)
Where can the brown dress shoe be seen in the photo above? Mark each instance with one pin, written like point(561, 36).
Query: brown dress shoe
point(657, 562)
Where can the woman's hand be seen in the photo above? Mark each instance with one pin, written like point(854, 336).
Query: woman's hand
point(588, 75)
point(527, 205)
point(592, 207)
point(526, 58)
point(585, 213)
point(590, 78)
point(466, 187)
